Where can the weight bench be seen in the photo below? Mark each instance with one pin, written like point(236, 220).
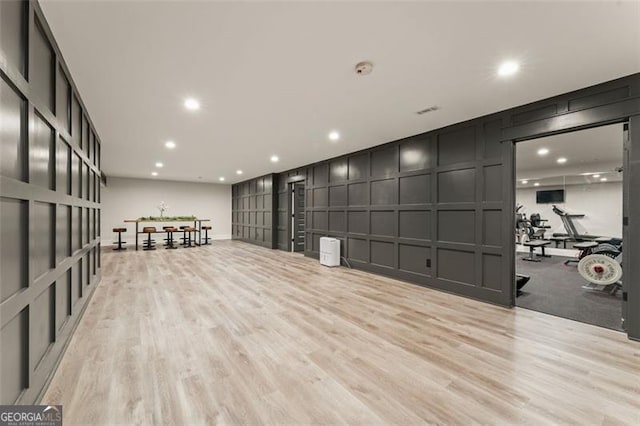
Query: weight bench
point(533, 244)
point(585, 247)
point(559, 240)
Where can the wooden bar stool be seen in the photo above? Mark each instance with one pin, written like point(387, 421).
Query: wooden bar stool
point(207, 240)
point(166, 240)
point(170, 242)
point(149, 244)
point(119, 243)
point(189, 242)
point(184, 235)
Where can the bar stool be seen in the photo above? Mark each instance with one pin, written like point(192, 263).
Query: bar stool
point(149, 244)
point(170, 242)
point(120, 243)
point(166, 240)
point(184, 235)
point(187, 232)
point(206, 228)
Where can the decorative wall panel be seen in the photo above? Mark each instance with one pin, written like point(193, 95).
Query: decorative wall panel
point(252, 214)
point(42, 174)
point(437, 209)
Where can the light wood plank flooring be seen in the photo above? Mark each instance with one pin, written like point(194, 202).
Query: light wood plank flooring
point(238, 334)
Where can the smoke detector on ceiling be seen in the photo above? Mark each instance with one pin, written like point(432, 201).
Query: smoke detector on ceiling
point(364, 68)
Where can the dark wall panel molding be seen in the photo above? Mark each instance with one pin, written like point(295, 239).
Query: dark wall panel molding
point(253, 215)
point(631, 252)
point(437, 209)
point(45, 184)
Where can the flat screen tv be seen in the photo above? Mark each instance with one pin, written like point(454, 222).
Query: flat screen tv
point(548, 197)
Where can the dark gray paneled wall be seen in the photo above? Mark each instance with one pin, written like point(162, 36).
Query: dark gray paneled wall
point(49, 203)
point(438, 208)
point(427, 209)
point(252, 215)
point(631, 231)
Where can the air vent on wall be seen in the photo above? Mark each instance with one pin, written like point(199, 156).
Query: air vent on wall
point(426, 110)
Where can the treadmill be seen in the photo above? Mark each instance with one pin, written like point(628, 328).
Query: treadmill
point(570, 227)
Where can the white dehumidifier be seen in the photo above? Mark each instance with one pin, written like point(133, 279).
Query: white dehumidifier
point(329, 251)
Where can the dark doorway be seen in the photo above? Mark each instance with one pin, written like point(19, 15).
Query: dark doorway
point(570, 198)
point(297, 216)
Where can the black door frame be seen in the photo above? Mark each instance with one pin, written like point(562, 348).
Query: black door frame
point(619, 111)
point(625, 201)
point(290, 214)
point(289, 182)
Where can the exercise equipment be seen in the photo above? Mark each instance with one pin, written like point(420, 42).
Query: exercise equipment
point(559, 240)
point(533, 244)
point(521, 224)
point(521, 281)
point(602, 268)
point(533, 228)
point(585, 247)
point(603, 245)
point(538, 226)
point(602, 272)
point(570, 226)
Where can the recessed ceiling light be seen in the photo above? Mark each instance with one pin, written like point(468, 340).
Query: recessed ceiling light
point(192, 104)
point(221, 179)
point(154, 173)
point(170, 144)
point(595, 176)
point(159, 164)
point(334, 136)
point(274, 159)
point(508, 68)
point(603, 180)
point(561, 160)
point(536, 184)
point(238, 172)
point(524, 182)
point(543, 151)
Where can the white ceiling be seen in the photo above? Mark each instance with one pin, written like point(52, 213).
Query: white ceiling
point(276, 77)
point(592, 151)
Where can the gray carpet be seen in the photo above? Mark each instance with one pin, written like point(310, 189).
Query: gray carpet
point(556, 289)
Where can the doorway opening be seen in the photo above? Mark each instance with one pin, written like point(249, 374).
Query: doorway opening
point(570, 197)
point(297, 220)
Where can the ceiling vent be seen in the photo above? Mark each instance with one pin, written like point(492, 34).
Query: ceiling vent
point(426, 110)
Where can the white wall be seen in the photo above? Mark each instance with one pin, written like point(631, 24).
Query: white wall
point(601, 203)
point(126, 198)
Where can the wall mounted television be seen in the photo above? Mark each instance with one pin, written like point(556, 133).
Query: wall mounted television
point(550, 196)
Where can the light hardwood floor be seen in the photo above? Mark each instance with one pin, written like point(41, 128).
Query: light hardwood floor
point(234, 333)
